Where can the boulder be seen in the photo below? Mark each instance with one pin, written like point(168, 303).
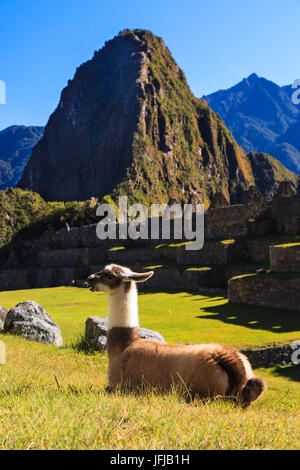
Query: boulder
point(30, 320)
point(3, 313)
point(96, 332)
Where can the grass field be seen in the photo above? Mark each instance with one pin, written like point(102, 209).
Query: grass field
point(54, 398)
point(178, 316)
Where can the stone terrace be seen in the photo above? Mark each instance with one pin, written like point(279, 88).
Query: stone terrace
point(285, 258)
point(237, 241)
point(278, 287)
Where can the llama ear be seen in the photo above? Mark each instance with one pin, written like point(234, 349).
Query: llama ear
point(137, 277)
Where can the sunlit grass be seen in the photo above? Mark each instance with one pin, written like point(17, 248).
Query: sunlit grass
point(54, 398)
point(179, 316)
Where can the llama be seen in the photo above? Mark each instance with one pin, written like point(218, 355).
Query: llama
point(206, 370)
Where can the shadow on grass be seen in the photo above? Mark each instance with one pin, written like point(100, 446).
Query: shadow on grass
point(289, 372)
point(81, 345)
point(250, 316)
point(256, 318)
point(214, 293)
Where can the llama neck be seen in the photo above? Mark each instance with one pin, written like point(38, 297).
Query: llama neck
point(123, 307)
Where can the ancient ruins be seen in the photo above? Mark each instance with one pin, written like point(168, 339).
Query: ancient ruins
point(252, 248)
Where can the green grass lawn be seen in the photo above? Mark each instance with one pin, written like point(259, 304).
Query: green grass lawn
point(178, 316)
point(54, 398)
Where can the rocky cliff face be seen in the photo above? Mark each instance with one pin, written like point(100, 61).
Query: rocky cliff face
point(16, 144)
point(269, 173)
point(128, 124)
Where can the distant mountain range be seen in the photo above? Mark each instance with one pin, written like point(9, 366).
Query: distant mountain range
point(262, 118)
point(16, 144)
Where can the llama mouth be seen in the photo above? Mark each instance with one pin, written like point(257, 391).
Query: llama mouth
point(94, 288)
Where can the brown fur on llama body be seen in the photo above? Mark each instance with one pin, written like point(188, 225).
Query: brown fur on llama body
point(208, 370)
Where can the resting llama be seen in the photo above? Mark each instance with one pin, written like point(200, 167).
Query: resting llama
point(208, 370)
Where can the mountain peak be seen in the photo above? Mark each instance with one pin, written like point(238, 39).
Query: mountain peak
point(252, 77)
point(128, 123)
point(262, 117)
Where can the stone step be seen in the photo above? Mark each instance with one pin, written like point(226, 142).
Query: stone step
point(285, 258)
point(169, 275)
point(273, 290)
point(36, 277)
point(125, 255)
point(213, 252)
point(253, 250)
point(71, 257)
point(258, 247)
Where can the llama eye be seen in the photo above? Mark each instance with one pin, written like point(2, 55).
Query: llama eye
point(109, 276)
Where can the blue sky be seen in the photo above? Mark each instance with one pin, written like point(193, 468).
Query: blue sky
point(216, 43)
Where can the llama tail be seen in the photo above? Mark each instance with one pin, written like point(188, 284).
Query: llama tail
point(252, 390)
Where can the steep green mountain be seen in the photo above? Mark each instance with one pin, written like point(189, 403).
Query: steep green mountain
point(262, 117)
point(26, 213)
point(16, 144)
point(269, 173)
point(128, 124)
point(18, 209)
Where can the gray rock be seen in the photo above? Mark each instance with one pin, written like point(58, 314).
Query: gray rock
point(3, 313)
point(96, 332)
point(30, 320)
point(270, 356)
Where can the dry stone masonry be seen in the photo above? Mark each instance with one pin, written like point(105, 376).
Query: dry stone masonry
point(239, 240)
point(285, 258)
point(266, 290)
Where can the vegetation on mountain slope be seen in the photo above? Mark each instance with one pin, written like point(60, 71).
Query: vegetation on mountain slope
point(128, 123)
point(26, 213)
point(269, 173)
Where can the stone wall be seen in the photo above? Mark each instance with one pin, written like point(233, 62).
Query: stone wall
point(285, 258)
point(258, 250)
point(288, 214)
point(71, 257)
point(35, 277)
point(214, 252)
point(266, 290)
point(269, 357)
point(58, 257)
point(131, 256)
point(227, 222)
point(187, 280)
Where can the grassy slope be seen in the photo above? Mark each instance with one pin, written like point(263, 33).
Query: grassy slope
point(38, 411)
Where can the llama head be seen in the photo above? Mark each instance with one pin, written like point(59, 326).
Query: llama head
point(114, 277)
